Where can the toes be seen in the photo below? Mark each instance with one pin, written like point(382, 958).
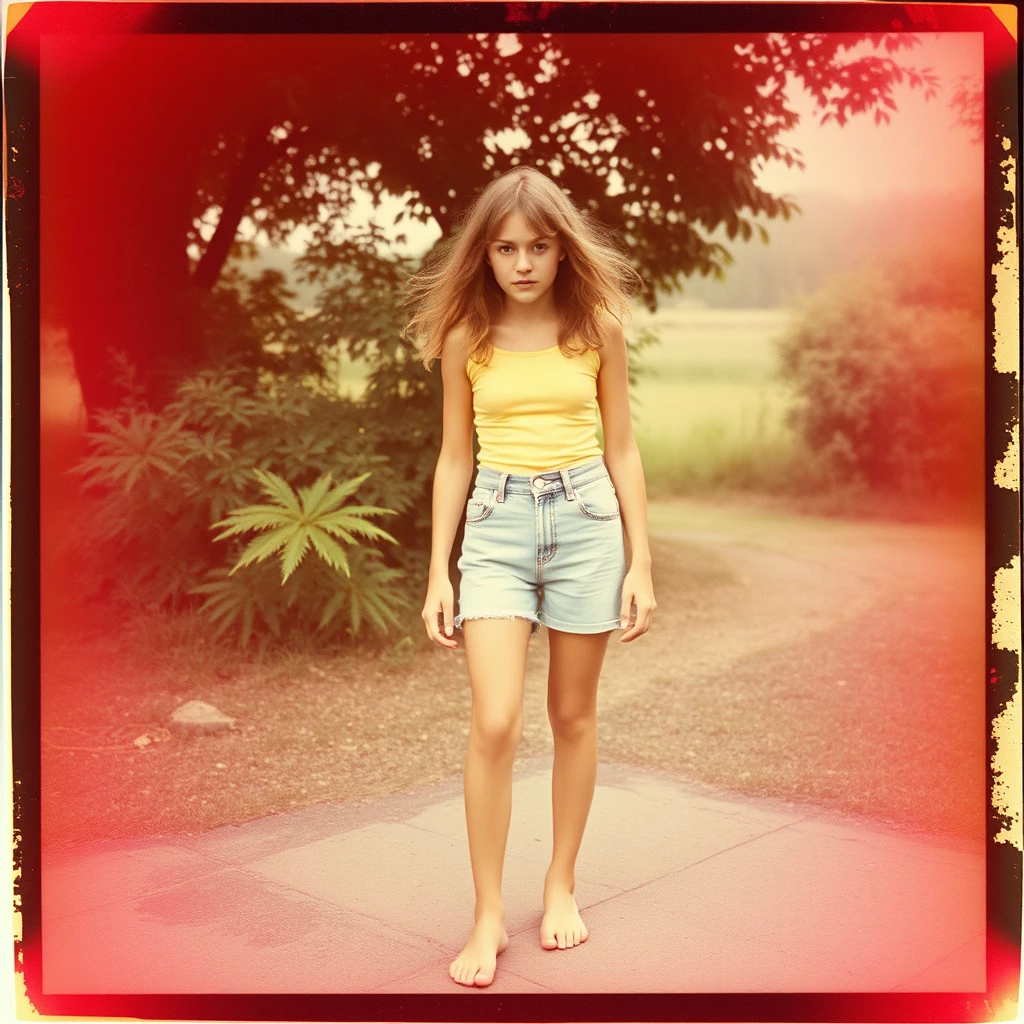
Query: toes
point(460, 973)
point(482, 978)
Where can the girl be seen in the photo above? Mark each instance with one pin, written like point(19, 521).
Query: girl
point(525, 311)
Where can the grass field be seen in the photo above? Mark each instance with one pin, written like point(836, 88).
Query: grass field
point(708, 407)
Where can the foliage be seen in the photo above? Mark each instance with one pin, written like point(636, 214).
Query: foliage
point(891, 391)
point(296, 521)
point(265, 134)
point(666, 154)
point(251, 323)
point(311, 597)
point(157, 483)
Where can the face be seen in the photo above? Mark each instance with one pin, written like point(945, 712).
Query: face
point(525, 265)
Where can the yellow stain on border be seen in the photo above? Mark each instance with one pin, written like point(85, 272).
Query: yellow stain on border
point(1006, 294)
point(14, 14)
point(1007, 14)
point(1007, 469)
point(1007, 789)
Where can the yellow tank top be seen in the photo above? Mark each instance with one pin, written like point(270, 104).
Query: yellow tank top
point(535, 411)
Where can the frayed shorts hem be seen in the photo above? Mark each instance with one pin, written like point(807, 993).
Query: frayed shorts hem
point(459, 619)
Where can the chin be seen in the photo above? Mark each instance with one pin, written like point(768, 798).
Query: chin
point(527, 297)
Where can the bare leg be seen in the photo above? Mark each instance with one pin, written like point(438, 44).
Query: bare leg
point(496, 658)
point(575, 666)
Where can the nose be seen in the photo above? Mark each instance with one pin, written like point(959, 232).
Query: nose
point(523, 263)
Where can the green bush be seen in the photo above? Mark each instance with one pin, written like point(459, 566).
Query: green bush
point(157, 485)
point(890, 394)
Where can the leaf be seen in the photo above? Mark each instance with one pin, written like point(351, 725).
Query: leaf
point(331, 609)
point(278, 488)
point(297, 518)
point(329, 550)
point(294, 549)
point(263, 547)
point(355, 617)
point(311, 498)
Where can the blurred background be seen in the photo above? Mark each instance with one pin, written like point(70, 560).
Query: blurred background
point(222, 264)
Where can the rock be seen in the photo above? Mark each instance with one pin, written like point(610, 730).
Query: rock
point(198, 716)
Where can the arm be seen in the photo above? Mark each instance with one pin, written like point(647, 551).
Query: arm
point(452, 477)
point(624, 467)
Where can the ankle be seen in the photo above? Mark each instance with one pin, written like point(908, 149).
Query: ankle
point(559, 878)
point(489, 910)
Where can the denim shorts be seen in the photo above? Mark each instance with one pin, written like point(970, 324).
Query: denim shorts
point(547, 547)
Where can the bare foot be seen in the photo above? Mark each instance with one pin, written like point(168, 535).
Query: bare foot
point(562, 927)
point(475, 964)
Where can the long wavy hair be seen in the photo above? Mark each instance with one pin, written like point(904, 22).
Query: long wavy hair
point(457, 287)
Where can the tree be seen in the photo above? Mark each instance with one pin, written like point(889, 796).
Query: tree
point(888, 366)
point(282, 129)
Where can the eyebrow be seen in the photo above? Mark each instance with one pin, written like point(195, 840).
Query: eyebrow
point(505, 241)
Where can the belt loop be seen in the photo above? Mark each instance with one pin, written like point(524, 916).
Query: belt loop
point(501, 486)
point(567, 484)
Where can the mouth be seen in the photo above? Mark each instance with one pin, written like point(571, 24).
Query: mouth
point(524, 284)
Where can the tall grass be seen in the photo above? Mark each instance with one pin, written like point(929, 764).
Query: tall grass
point(709, 410)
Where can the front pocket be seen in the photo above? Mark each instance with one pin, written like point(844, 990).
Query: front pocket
point(597, 499)
point(478, 509)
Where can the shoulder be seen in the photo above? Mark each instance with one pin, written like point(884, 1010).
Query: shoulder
point(455, 346)
point(454, 353)
point(613, 340)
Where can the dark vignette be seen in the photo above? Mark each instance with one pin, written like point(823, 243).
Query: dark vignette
point(1003, 513)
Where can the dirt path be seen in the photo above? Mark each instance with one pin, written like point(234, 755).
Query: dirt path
point(839, 662)
point(813, 659)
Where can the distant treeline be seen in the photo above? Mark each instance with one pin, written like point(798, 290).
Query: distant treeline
point(832, 235)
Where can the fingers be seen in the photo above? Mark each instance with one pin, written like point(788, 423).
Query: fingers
point(447, 616)
point(433, 615)
point(625, 616)
point(642, 623)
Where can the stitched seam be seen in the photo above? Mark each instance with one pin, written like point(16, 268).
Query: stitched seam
point(553, 546)
point(540, 536)
point(594, 515)
point(597, 515)
point(488, 509)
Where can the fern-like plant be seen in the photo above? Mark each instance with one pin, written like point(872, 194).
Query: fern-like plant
point(125, 450)
point(298, 519)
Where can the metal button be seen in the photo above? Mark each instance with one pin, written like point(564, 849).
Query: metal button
point(538, 482)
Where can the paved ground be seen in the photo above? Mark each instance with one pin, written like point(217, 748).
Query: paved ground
point(683, 888)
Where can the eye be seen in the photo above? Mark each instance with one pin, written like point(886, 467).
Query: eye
point(540, 247)
point(504, 248)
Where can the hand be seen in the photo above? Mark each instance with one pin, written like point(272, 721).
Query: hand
point(440, 599)
point(637, 590)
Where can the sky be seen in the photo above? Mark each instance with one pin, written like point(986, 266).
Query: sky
point(920, 149)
